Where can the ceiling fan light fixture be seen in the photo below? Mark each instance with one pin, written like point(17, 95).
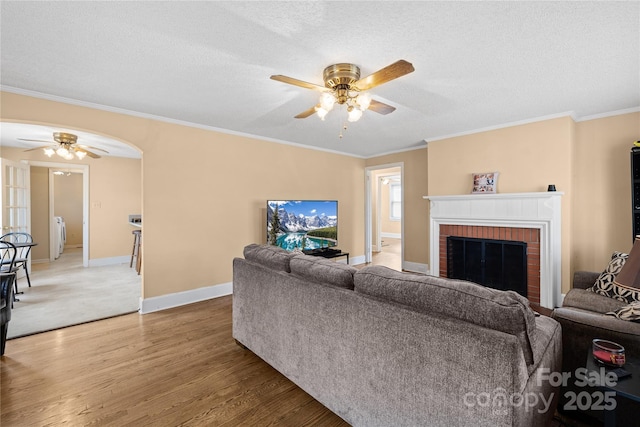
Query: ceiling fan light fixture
point(363, 100)
point(65, 147)
point(321, 112)
point(354, 114)
point(343, 85)
point(327, 101)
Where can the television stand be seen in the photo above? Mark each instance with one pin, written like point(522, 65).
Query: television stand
point(326, 253)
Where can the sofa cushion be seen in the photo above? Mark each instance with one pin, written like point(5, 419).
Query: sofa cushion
point(505, 311)
point(630, 312)
point(268, 255)
point(582, 298)
point(322, 270)
point(604, 283)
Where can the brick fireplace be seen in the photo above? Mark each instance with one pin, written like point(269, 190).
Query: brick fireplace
point(530, 236)
point(534, 218)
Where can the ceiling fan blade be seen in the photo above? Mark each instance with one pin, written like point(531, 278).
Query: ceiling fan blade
point(381, 107)
point(84, 147)
point(306, 113)
point(89, 153)
point(296, 82)
point(40, 148)
point(386, 74)
point(36, 140)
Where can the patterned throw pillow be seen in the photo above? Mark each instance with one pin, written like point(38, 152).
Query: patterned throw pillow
point(604, 283)
point(629, 312)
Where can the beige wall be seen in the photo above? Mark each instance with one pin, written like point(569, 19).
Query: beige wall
point(67, 203)
point(602, 189)
point(190, 196)
point(203, 204)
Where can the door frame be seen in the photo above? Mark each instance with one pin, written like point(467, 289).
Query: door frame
point(368, 229)
point(84, 169)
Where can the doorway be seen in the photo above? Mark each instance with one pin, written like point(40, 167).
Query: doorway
point(77, 210)
point(384, 215)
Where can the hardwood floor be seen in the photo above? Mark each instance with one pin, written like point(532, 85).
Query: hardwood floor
point(174, 367)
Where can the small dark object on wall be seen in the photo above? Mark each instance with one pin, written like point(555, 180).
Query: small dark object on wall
point(551, 187)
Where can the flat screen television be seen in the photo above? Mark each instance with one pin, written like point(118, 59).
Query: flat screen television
point(302, 224)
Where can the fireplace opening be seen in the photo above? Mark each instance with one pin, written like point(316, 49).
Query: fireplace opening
point(497, 264)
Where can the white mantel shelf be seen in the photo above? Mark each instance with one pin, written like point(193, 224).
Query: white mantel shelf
point(531, 195)
point(541, 210)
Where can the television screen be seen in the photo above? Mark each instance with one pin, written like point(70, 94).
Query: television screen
point(302, 224)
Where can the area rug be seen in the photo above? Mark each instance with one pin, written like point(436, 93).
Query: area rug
point(68, 294)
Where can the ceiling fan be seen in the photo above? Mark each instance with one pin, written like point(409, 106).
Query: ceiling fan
point(343, 85)
point(65, 145)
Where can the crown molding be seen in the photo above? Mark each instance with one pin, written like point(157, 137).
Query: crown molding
point(609, 114)
point(117, 110)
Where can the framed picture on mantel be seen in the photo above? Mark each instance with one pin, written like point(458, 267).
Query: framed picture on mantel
point(485, 183)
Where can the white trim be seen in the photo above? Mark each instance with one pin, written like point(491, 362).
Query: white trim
point(64, 100)
point(391, 235)
point(416, 267)
point(163, 302)
point(506, 125)
point(402, 150)
point(357, 260)
point(541, 210)
point(101, 262)
point(424, 142)
point(609, 114)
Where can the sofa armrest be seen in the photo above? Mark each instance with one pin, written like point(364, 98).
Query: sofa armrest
point(587, 300)
point(584, 279)
point(580, 327)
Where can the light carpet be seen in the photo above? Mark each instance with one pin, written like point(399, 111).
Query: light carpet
point(64, 293)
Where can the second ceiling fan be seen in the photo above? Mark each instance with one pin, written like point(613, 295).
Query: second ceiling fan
point(343, 86)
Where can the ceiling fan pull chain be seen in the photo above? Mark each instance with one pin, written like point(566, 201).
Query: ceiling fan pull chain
point(344, 128)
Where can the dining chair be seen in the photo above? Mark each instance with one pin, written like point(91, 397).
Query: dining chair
point(7, 280)
point(23, 243)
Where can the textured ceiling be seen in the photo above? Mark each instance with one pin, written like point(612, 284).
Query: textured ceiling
point(477, 64)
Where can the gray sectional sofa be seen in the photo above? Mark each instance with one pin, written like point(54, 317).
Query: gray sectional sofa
point(383, 348)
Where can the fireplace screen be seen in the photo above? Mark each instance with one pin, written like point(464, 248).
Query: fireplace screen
point(498, 264)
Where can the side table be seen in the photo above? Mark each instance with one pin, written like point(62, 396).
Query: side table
point(625, 388)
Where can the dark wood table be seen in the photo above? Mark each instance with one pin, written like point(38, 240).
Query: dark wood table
point(625, 388)
point(18, 246)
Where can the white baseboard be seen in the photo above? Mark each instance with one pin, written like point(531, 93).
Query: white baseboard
point(101, 262)
point(391, 235)
point(416, 267)
point(355, 260)
point(163, 302)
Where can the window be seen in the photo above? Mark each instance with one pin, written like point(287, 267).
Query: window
point(395, 202)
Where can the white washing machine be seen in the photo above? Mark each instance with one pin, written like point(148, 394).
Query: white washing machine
point(60, 236)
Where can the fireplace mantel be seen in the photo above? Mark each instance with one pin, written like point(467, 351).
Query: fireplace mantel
point(541, 210)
